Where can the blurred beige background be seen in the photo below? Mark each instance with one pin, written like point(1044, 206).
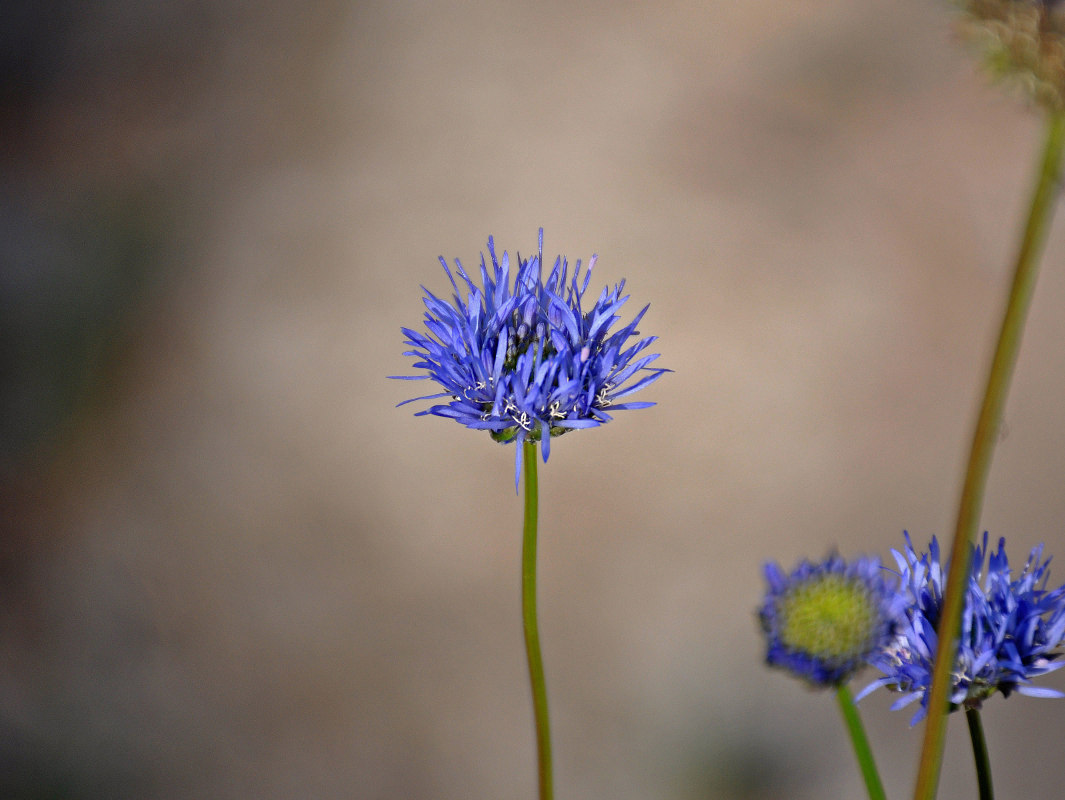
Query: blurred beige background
point(230, 568)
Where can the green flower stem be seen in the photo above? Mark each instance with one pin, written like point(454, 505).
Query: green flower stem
point(532, 631)
point(983, 763)
point(972, 495)
point(862, 751)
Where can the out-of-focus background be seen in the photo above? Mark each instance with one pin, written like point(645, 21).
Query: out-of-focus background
point(230, 568)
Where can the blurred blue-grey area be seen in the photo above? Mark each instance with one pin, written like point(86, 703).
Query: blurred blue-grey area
point(231, 568)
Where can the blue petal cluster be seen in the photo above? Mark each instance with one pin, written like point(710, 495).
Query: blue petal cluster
point(1011, 629)
point(525, 359)
point(823, 621)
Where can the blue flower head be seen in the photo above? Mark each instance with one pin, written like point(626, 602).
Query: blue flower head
point(823, 621)
point(1011, 629)
point(528, 359)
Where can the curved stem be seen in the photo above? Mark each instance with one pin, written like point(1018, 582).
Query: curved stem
point(983, 445)
point(532, 631)
point(983, 763)
point(862, 751)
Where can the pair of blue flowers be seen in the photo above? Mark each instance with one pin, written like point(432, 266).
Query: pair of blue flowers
point(825, 621)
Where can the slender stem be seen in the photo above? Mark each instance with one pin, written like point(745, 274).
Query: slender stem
point(862, 751)
point(532, 631)
point(983, 445)
point(983, 763)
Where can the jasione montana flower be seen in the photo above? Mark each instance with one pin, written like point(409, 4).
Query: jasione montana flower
point(823, 621)
point(1011, 629)
point(526, 360)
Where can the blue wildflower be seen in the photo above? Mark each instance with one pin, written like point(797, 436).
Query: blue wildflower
point(525, 360)
point(823, 621)
point(1011, 629)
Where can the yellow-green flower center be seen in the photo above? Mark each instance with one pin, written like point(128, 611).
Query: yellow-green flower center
point(829, 617)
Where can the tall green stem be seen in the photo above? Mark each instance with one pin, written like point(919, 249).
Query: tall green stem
point(862, 751)
point(532, 631)
point(972, 495)
point(983, 763)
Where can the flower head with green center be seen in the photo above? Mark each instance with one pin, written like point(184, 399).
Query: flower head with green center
point(823, 621)
point(1022, 42)
point(1012, 630)
point(527, 361)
